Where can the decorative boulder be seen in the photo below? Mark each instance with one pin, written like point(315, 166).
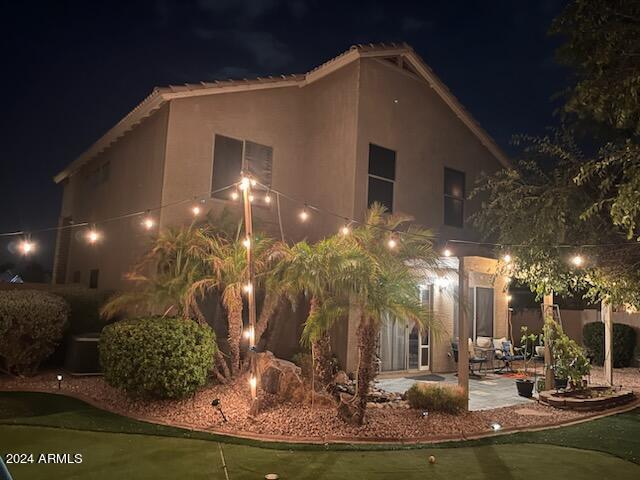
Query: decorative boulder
point(279, 377)
point(341, 378)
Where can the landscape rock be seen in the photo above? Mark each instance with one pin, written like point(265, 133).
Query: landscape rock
point(279, 377)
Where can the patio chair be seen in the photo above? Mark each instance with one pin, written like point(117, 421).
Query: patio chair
point(507, 357)
point(477, 359)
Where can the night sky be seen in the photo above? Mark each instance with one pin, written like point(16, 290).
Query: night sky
point(73, 69)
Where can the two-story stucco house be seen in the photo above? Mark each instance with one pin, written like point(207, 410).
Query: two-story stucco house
point(372, 124)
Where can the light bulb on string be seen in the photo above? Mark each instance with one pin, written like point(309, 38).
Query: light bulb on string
point(148, 222)
point(267, 198)
point(345, 230)
point(93, 236)
point(246, 242)
point(577, 260)
point(507, 258)
point(304, 215)
point(251, 198)
point(26, 247)
point(234, 195)
point(195, 210)
point(392, 243)
point(446, 252)
point(248, 288)
point(244, 183)
point(253, 182)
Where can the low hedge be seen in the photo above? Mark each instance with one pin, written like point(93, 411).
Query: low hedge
point(436, 398)
point(157, 357)
point(32, 323)
point(624, 342)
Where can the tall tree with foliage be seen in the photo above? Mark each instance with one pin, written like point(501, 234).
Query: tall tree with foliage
point(389, 286)
point(326, 273)
point(226, 271)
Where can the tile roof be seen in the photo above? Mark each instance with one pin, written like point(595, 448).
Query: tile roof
point(161, 95)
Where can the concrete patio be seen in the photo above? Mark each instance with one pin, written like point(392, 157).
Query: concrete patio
point(487, 392)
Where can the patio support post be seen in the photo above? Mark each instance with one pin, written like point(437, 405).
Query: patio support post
point(463, 335)
point(251, 292)
point(547, 306)
point(605, 308)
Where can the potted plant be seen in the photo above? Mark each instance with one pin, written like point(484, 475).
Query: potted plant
point(525, 385)
point(570, 362)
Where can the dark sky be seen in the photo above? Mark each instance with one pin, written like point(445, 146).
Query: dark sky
point(71, 69)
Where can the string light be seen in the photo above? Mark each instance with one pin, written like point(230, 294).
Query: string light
point(248, 288)
point(345, 230)
point(509, 298)
point(246, 242)
point(304, 215)
point(251, 198)
point(148, 223)
point(26, 247)
point(446, 252)
point(93, 236)
point(234, 195)
point(195, 210)
point(507, 258)
point(267, 198)
point(253, 182)
point(577, 260)
point(392, 243)
point(244, 183)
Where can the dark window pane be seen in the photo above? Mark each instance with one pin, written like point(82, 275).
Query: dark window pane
point(382, 162)
point(259, 161)
point(484, 312)
point(453, 183)
point(93, 278)
point(453, 212)
point(381, 191)
point(227, 164)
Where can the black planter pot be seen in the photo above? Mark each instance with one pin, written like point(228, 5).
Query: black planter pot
point(560, 383)
point(525, 387)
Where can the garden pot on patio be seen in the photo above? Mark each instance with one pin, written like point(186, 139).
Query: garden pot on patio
point(525, 387)
point(560, 383)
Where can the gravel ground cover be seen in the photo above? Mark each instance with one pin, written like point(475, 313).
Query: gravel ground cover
point(301, 422)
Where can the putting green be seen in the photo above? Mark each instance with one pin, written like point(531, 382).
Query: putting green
point(117, 447)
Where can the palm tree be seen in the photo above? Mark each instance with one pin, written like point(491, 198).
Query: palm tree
point(322, 272)
point(226, 271)
point(162, 277)
point(389, 287)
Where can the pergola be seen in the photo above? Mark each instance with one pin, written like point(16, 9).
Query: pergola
point(463, 332)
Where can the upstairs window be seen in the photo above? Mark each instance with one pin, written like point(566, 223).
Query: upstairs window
point(228, 163)
point(454, 197)
point(382, 176)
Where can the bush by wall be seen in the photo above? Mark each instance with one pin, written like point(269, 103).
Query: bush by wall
point(157, 357)
point(436, 398)
point(32, 323)
point(624, 342)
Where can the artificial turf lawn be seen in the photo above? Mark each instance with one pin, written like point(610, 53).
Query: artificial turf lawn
point(152, 451)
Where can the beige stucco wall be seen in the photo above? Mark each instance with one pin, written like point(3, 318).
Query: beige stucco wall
point(312, 133)
point(426, 135)
point(134, 184)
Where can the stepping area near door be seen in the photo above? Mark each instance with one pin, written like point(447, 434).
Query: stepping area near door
point(489, 391)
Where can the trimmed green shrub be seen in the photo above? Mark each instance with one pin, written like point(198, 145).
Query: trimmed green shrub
point(31, 326)
point(436, 398)
point(624, 342)
point(157, 357)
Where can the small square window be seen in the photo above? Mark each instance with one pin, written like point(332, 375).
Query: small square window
point(382, 162)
